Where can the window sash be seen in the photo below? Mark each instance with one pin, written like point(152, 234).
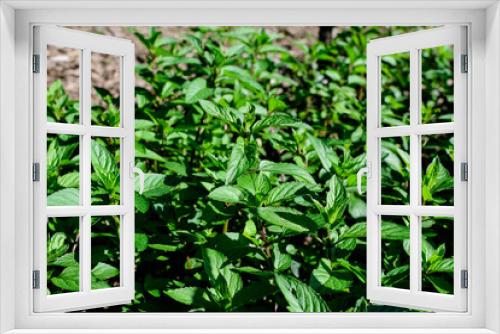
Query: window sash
point(412, 43)
point(86, 43)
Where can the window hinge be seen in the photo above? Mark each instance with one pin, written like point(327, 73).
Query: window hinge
point(36, 279)
point(36, 63)
point(464, 279)
point(36, 172)
point(465, 63)
point(464, 171)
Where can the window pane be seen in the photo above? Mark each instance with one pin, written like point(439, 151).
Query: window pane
point(105, 171)
point(63, 256)
point(437, 254)
point(105, 89)
point(437, 169)
point(437, 84)
point(63, 170)
point(395, 251)
point(105, 252)
point(63, 85)
point(395, 89)
point(395, 170)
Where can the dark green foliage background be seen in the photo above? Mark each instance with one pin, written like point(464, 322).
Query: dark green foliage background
point(251, 151)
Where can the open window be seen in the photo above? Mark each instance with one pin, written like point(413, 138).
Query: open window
point(70, 210)
point(434, 177)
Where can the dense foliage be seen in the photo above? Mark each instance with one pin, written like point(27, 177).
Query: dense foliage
point(251, 151)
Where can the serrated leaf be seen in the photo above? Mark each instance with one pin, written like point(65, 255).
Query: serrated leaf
point(64, 197)
point(227, 194)
point(289, 219)
point(298, 173)
point(281, 261)
point(299, 296)
point(237, 162)
point(322, 152)
point(197, 90)
point(336, 200)
point(68, 280)
point(330, 278)
point(187, 296)
point(104, 166)
point(283, 192)
point(69, 180)
point(104, 271)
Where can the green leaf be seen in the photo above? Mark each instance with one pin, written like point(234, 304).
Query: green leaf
point(357, 230)
point(237, 162)
point(437, 178)
point(154, 185)
point(441, 284)
point(322, 152)
point(289, 219)
point(105, 167)
point(392, 231)
point(281, 261)
point(357, 207)
point(278, 120)
point(441, 266)
point(227, 194)
point(104, 271)
point(69, 180)
point(220, 273)
point(197, 90)
point(250, 229)
point(330, 278)
point(64, 197)
point(192, 296)
point(299, 296)
point(242, 75)
point(141, 242)
point(68, 280)
point(298, 173)
point(283, 192)
point(67, 260)
point(336, 200)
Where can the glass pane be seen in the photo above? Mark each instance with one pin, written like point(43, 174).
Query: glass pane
point(395, 170)
point(105, 175)
point(105, 252)
point(105, 89)
point(437, 84)
point(395, 89)
point(63, 256)
point(63, 85)
point(437, 169)
point(395, 251)
point(437, 254)
point(63, 170)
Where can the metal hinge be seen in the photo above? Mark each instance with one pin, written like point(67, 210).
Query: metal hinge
point(465, 63)
point(36, 279)
point(36, 172)
point(36, 63)
point(464, 279)
point(464, 171)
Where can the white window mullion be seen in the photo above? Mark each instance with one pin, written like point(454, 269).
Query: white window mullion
point(415, 162)
point(85, 166)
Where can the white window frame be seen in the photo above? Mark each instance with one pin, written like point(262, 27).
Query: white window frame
point(412, 44)
point(123, 50)
point(16, 21)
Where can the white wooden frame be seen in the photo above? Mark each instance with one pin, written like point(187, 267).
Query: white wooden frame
point(413, 43)
point(124, 50)
point(15, 172)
